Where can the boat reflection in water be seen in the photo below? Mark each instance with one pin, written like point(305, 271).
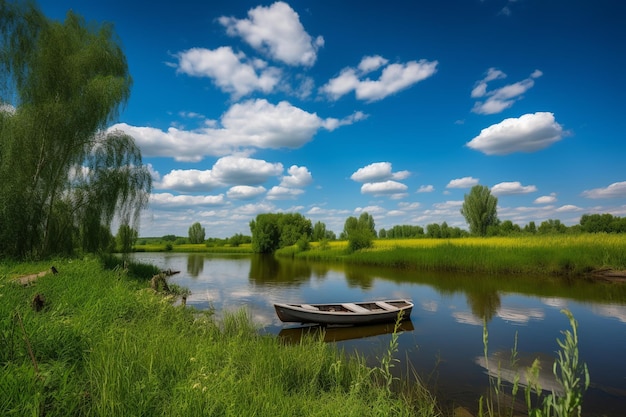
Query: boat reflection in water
point(341, 333)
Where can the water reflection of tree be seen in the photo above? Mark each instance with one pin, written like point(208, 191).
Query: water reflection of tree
point(268, 269)
point(484, 304)
point(358, 277)
point(195, 264)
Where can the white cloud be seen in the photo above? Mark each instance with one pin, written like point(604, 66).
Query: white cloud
point(230, 170)
point(298, 177)
point(501, 98)
point(378, 171)
point(393, 78)
point(232, 73)
point(615, 190)
point(528, 133)
point(515, 187)
point(568, 208)
point(252, 123)
point(383, 188)
point(283, 193)
point(276, 31)
point(465, 182)
point(188, 180)
point(332, 123)
point(168, 200)
point(245, 171)
point(426, 189)
point(546, 199)
point(244, 192)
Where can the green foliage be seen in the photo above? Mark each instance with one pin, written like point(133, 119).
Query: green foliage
point(359, 232)
point(126, 238)
point(272, 231)
point(196, 233)
point(64, 177)
point(607, 223)
point(480, 210)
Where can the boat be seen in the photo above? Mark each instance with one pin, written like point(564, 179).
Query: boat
point(356, 313)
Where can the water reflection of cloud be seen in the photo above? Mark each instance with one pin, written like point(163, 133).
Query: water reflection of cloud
point(467, 318)
point(615, 311)
point(554, 302)
point(430, 306)
point(520, 315)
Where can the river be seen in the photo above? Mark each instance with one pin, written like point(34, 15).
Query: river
point(443, 341)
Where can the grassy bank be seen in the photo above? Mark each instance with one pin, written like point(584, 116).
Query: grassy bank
point(575, 254)
point(103, 344)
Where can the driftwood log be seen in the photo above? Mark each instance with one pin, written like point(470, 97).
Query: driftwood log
point(159, 283)
point(30, 278)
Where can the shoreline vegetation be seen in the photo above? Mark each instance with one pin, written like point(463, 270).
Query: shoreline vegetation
point(94, 339)
point(595, 256)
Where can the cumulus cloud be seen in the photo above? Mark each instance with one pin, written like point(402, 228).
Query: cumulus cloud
point(383, 188)
point(276, 30)
point(298, 177)
point(231, 72)
point(514, 187)
point(249, 124)
point(393, 78)
point(283, 193)
point(501, 98)
point(168, 200)
point(245, 192)
point(528, 133)
point(426, 189)
point(465, 182)
point(230, 170)
point(378, 171)
point(546, 199)
point(568, 208)
point(615, 190)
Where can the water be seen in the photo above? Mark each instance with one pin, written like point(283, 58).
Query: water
point(443, 341)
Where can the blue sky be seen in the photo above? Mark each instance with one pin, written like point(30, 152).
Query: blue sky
point(396, 108)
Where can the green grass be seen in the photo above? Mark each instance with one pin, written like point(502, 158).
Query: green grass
point(106, 345)
point(561, 255)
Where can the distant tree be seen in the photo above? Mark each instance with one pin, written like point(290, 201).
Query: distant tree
point(319, 231)
point(126, 238)
point(480, 210)
point(551, 226)
point(607, 223)
point(238, 239)
point(64, 175)
point(169, 238)
point(507, 228)
point(433, 230)
point(271, 231)
point(382, 233)
point(530, 228)
point(196, 233)
point(359, 232)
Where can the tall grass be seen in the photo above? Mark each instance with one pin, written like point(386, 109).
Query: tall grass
point(572, 255)
point(106, 345)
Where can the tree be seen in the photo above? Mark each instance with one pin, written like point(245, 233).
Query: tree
point(319, 232)
point(271, 231)
point(359, 232)
point(64, 177)
point(196, 233)
point(480, 210)
point(126, 238)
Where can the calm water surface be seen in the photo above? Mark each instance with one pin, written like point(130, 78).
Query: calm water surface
point(443, 340)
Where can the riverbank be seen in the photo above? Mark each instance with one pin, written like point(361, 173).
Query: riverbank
point(591, 256)
point(585, 255)
point(90, 340)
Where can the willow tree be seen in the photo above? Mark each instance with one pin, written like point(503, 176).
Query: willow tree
point(480, 210)
point(64, 176)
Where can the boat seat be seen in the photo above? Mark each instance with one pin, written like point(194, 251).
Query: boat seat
point(386, 306)
point(355, 308)
point(309, 307)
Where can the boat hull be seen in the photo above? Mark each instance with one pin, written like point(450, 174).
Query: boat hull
point(341, 314)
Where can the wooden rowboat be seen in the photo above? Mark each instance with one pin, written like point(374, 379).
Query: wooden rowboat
point(367, 312)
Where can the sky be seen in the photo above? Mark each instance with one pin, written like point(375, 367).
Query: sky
point(334, 108)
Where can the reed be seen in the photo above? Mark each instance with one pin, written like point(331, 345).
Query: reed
point(103, 344)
